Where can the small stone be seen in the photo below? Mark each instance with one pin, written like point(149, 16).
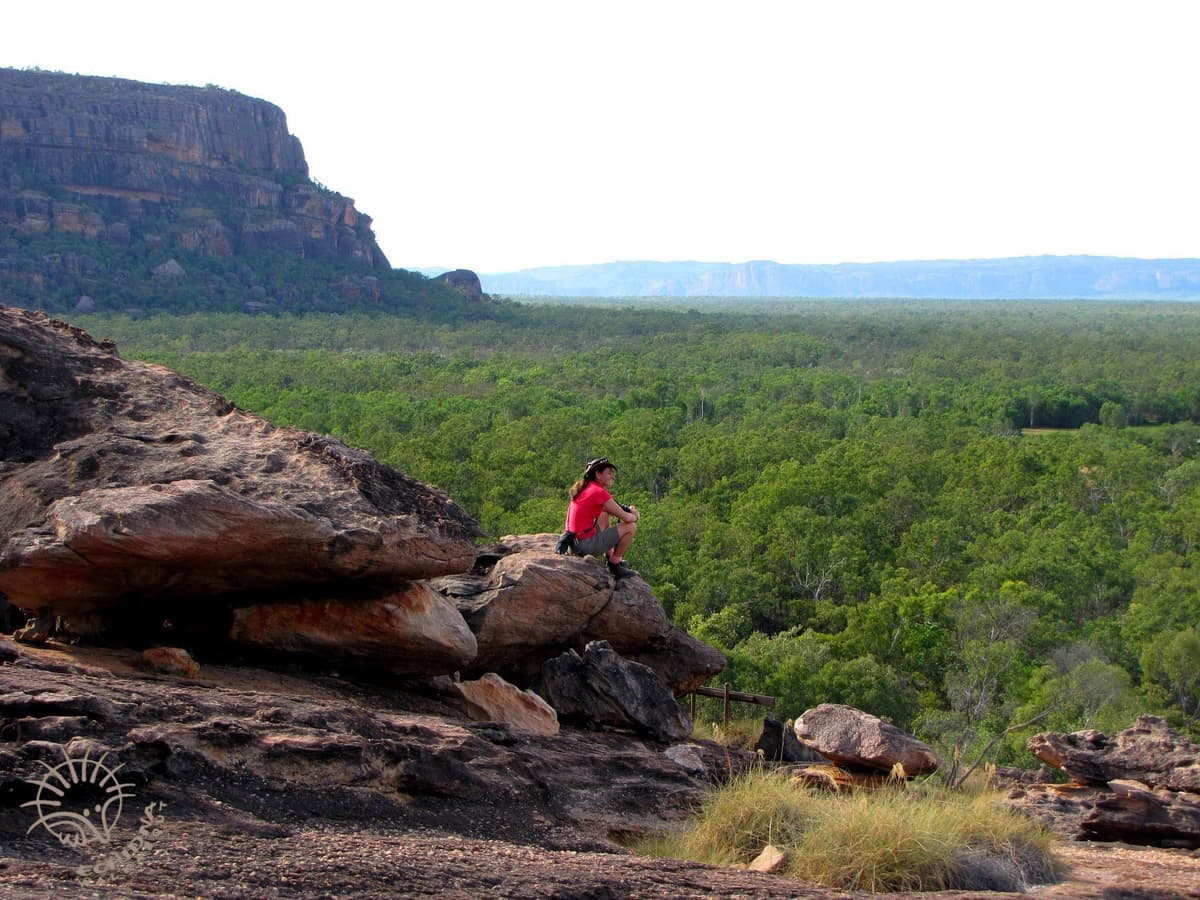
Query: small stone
point(687, 757)
point(172, 661)
point(770, 860)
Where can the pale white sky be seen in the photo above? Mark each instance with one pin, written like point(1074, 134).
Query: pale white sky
point(501, 135)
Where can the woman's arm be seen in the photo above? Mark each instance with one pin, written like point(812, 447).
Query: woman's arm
point(613, 508)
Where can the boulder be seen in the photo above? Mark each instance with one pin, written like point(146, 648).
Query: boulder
point(601, 688)
point(409, 630)
point(848, 736)
point(526, 603)
point(687, 757)
point(1149, 751)
point(632, 620)
point(124, 482)
point(492, 699)
point(529, 606)
point(682, 661)
point(771, 859)
point(169, 271)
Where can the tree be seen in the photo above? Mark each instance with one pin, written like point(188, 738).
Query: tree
point(1173, 663)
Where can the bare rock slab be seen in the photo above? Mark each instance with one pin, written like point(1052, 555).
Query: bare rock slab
point(492, 699)
point(849, 736)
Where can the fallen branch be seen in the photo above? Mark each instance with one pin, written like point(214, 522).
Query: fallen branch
point(992, 743)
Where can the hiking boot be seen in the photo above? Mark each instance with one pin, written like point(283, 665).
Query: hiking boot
point(620, 570)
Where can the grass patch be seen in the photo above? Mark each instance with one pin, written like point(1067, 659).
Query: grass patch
point(739, 734)
point(901, 838)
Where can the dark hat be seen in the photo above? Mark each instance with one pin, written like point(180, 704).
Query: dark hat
point(596, 465)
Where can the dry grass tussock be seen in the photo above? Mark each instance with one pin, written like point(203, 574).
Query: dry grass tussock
point(738, 734)
point(899, 838)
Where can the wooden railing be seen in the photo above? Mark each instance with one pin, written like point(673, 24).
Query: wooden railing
point(725, 694)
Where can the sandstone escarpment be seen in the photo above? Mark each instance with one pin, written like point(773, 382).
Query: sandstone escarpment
point(207, 170)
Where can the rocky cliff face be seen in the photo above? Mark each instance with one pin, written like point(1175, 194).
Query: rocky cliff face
point(206, 169)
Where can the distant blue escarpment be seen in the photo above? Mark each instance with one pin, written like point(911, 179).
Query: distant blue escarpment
point(1024, 277)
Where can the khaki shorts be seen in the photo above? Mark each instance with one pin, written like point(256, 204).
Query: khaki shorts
point(598, 543)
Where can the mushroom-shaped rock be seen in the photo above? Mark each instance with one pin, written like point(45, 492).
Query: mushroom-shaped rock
point(1149, 751)
point(849, 736)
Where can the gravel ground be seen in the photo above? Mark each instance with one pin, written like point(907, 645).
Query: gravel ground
point(332, 859)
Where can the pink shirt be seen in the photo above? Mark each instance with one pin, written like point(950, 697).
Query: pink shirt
point(581, 514)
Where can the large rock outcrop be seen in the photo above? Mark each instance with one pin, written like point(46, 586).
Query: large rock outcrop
point(119, 154)
point(525, 603)
point(122, 481)
point(465, 282)
point(1140, 786)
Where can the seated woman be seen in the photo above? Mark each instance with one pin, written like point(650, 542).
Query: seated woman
point(590, 514)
